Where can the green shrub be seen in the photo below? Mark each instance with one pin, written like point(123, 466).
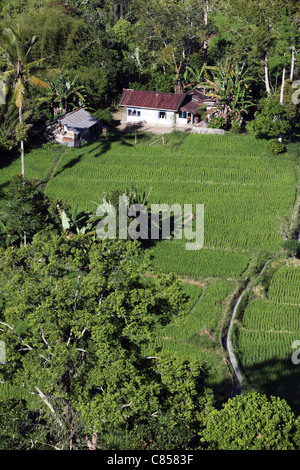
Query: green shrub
point(104, 116)
point(292, 247)
point(275, 147)
point(202, 112)
point(217, 123)
point(235, 127)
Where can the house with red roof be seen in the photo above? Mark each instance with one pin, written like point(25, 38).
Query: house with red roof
point(160, 108)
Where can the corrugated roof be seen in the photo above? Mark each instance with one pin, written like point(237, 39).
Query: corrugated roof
point(78, 120)
point(151, 99)
point(194, 99)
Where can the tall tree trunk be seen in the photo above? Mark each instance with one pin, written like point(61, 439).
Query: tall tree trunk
point(267, 82)
point(92, 445)
point(292, 63)
point(282, 84)
point(205, 43)
point(281, 93)
point(22, 146)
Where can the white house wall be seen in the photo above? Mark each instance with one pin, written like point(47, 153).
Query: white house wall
point(181, 121)
point(151, 116)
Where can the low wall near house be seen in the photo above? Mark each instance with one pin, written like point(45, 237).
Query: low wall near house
point(207, 130)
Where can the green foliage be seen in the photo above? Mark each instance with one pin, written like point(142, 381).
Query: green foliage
point(251, 422)
point(230, 85)
point(292, 247)
point(236, 127)
point(25, 211)
point(19, 426)
point(217, 122)
point(64, 94)
point(272, 120)
point(17, 69)
point(21, 132)
point(104, 116)
point(76, 316)
point(203, 321)
point(8, 121)
point(116, 44)
point(202, 112)
point(275, 147)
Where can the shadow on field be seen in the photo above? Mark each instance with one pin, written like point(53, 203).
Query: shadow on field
point(279, 378)
point(116, 136)
point(7, 158)
point(68, 165)
point(2, 186)
point(155, 231)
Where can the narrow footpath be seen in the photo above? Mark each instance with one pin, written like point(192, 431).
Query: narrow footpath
point(238, 378)
point(238, 382)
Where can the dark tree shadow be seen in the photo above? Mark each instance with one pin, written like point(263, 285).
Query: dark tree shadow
point(2, 189)
point(279, 378)
point(6, 158)
point(69, 165)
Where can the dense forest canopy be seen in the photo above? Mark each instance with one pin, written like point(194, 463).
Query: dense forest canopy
point(103, 46)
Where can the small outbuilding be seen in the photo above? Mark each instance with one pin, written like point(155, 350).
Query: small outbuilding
point(74, 128)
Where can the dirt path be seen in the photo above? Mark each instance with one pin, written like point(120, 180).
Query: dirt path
point(238, 385)
point(53, 169)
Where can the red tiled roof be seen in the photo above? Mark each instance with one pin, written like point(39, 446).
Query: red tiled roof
point(152, 99)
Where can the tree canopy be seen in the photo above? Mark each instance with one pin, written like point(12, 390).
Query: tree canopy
point(77, 317)
point(110, 45)
point(252, 422)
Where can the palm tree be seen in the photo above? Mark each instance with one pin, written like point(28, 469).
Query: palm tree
point(15, 60)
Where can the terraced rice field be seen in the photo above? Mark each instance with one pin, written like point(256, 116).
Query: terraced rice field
point(246, 195)
point(265, 337)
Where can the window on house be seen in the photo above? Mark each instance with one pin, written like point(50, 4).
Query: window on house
point(134, 112)
point(162, 114)
point(182, 114)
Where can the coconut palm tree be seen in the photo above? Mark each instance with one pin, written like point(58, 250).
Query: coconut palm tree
point(19, 72)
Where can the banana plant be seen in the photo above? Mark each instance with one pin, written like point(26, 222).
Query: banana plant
point(194, 78)
point(228, 85)
point(76, 222)
point(64, 94)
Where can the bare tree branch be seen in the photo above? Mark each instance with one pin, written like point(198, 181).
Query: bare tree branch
point(46, 401)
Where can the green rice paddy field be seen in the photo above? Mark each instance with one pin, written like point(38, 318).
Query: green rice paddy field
point(246, 195)
point(265, 336)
